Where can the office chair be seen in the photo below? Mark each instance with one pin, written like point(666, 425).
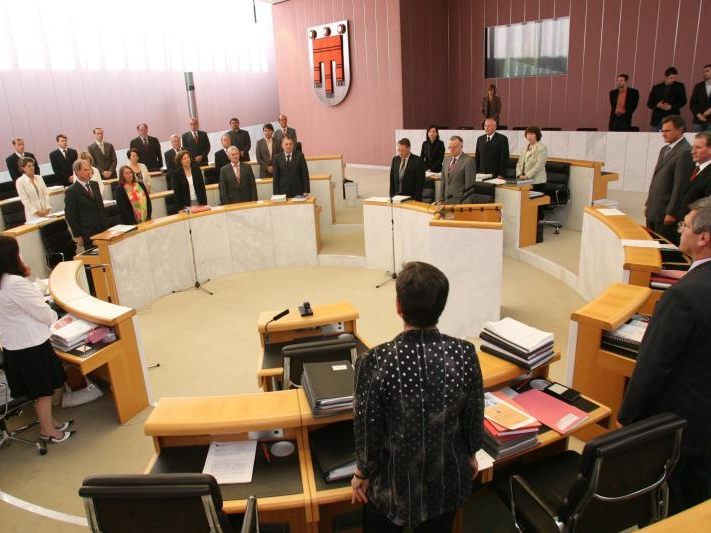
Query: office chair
point(57, 242)
point(551, 128)
point(146, 503)
point(250, 522)
point(10, 407)
point(586, 129)
point(619, 481)
point(519, 128)
point(13, 213)
point(634, 128)
point(466, 128)
point(502, 127)
point(556, 186)
point(7, 190)
point(113, 214)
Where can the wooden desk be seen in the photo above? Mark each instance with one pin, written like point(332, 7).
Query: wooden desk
point(694, 520)
point(119, 363)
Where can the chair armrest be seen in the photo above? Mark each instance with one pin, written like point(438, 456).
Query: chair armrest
point(529, 506)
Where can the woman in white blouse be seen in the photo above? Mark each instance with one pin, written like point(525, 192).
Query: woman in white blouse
point(139, 169)
point(532, 162)
point(32, 191)
point(31, 366)
point(95, 174)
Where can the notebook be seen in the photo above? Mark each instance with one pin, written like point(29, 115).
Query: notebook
point(554, 413)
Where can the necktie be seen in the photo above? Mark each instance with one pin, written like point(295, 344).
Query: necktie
point(145, 141)
point(694, 174)
point(64, 153)
point(195, 136)
point(288, 158)
point(89, 191)
point(236, 170)
point(665, 151)
point(452, 162)
point(488, 139)
point(402, 166)
point(101, 147)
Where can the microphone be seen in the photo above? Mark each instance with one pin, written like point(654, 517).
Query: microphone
point(274, 319)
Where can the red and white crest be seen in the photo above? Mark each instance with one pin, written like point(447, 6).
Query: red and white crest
point(329, 55)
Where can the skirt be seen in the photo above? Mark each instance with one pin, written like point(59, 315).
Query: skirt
point(33, 372)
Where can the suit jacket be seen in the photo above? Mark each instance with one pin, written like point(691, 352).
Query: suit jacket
point(85, 215)
point(432, 155)
point(461, 177)
point(170, 165)
point(103, 161)
point(413, 178)
point(491, 109)
point(492, 157)
point(201, 147)
point(668, 182)
point(263, 157)
point(674, 94)
point(631, 102)
point(241, 140)
point(699, 102)
point(12, 161)
point(62, 166)
point(292, 178)
point(125, 207)
point(31, 200)
point(181, 188)
point(230, 191)
point(221, 159)
point(532, 163)
point(148, 155)
point(279, 135)
point(694, 190)
point(673, 369)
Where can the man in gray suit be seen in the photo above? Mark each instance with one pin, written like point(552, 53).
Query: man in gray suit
point(267, 148)
point(237, 180)
point(673, 168)
point(284, 130)
point(103, 154)
point(458, 173)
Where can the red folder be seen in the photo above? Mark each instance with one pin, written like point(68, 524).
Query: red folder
point(554, 413)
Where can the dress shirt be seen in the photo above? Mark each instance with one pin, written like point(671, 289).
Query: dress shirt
point(235, 169)
point(24, 317)
point(702, 166)
point(269, 146)
point(707, 86)
point(191, 186)
point(698, 262)
point(34, 196)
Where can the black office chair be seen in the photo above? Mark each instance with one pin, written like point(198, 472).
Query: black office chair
point(551, 128)
point(618, 482)
point(466, 128)
point(13, 213)
point(11, 407)
point(634, 128)
point(586, 129)
point(502, 127)
point(519, 128)
point(483, 193)
point(556, 186)
point(113, 215)
point(7, 190)
point(511, 167)
point(154, 502)
point(58, 242)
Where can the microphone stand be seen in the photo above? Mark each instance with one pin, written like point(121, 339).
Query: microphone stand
point(198, 285)
point(392, 274)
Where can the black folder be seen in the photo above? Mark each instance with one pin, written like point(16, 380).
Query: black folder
point(330, 382)
point(333, 446)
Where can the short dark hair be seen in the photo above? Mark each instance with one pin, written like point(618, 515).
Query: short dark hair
point(456, 138)
point(676, 120)
point(10, 262)
point(625, 76)
point(180, 156)
point(671, 71)
point(134, 151)
point(23, 161)
point(60, 136)
point(404, 142)
point(422, 291)
point(433, 127)
point(536, 130)
point(706, 135)
point(234, 118)
point(268, 126)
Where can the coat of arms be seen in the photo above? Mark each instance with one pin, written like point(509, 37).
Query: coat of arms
point(329, 54)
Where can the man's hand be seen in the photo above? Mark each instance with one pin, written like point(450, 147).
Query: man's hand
point(669, 220)
point(198, 159)
point(270, 170)
point(44, 213)
point(701, 117)
point(475, 466)
point(79, 241)
point(360, 488)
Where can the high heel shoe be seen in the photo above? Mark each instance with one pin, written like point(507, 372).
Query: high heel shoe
point(64, 426)
point(54, 440)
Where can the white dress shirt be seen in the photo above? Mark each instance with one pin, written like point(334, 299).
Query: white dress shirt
point(24, 317)
point(96, 176)
point(191, 186)
point(34, 199)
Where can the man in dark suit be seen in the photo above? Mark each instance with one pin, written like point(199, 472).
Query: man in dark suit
point(699, 183)
point(267, 148)
point(407, 172)
point(221, 157)
point(240, 139)
point(458, 173)
point(196, 142)
point(170, 154)
point(284, 130)
point(237, 180)
point(13, 160)
point(83, 206)
point(62, 160)
point(673, 367)
point(666, 98)
point(148, 148)
point(623, 102)
point(103, 154)
point(700, 103)
point(492, 151)
point(672, 171)
point(291, 175)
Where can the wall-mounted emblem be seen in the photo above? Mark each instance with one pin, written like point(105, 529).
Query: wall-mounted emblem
point(329, 54)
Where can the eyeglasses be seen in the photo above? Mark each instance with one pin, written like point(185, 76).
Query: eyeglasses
point(681, 225)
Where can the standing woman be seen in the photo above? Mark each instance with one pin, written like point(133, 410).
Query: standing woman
point(132, 198)
point(532, 163)
point(32, 367)
point(139, 169)
point(32, 191)
point(491, 104)
point(187, 181)
point(432, 152)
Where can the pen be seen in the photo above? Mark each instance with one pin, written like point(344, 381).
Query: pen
point(265, 451)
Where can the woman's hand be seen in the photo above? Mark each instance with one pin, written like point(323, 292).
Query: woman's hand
point(360, 488)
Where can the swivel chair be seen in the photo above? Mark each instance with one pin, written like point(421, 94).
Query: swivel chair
point(13, 214)
point(58, 242)
point(556, 186)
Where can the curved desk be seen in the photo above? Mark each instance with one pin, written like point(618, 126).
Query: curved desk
point(119, 363)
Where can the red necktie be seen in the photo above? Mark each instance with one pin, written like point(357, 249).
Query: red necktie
point(694, 174)
point(452, 163)
point(236, 169)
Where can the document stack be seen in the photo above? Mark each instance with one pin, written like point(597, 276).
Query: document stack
point(70, 332)
point(517, 343)
point(508, 429)
point(666, 278)
point(626, 339)
point(333, 448)
point(329, 387)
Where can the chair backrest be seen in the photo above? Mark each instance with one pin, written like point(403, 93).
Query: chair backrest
point(551, 128)
point(622, 476)
point(586, 129)
point(519, 128)
point(557, 172)
point(113, 214)
point(13, 213)
point(484, 193)
point(153, 502)
point(58, 242)
point(7, 190)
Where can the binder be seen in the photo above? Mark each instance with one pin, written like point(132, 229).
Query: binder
point(333, 448)
point(628, 336)
point(330, 382)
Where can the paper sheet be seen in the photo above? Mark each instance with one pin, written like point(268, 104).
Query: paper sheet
point(484, 460)
point(640, 243)
point(231, 462)
point(610, 212)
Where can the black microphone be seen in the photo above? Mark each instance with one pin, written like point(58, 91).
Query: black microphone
point(279, 315)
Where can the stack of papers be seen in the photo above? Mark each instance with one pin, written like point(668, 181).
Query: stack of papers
point(400, 198)
point(120, 229)
point(508, 429)
point(610, 212)
point(483, 177)
point(278, 198)
point(70, 332)
point(517, 343)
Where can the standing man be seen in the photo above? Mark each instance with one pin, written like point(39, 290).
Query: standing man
point(407, 172)
point(698, 185)
point(623, 103)
point(237, 180)
point(267, 148)
point(670, 175)
point(83, 206)
point(291, 175)
point(103, 154)
point(62, 160)
point(666, 98)
point(458, 172)
point(284, 130)
point(674, 368)
point(240, 139)
point(148, 148)
point(170, 165)
point(13, 160)
point(196, 142)
point(492, 151)
point(700, 103)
